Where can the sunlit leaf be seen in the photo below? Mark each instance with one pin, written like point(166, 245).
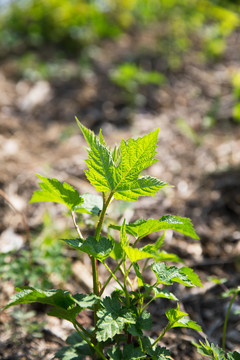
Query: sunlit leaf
point(167, 275)
point(142, 228)
point(92, 204)
point(98, 249)
point(54, 191)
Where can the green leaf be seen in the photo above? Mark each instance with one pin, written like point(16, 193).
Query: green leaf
point(160, 255)
point(156, 352)
point(55, 191)
point(100, 162)
point(233, 355)
point(70, 353)
point(114, 353)
point(191, 276)
point(143, 322)
point(167, 275)
point(190, 324)
point(163, 293)
point(86, 300)
point(132, 353)
point(64, 304)
point(210, 350)
point(177, 319)
point(92, 204)
point(112, 318)
point(135, 254)
point(79, 349)
point(98, 249)
point(142, 228)
point(143, 186)
point(139, 275)
point(119, 171)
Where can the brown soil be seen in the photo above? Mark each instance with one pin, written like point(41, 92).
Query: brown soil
point(38, 134)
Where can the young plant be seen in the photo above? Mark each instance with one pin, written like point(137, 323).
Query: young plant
point(120, 321)
point(213, 351)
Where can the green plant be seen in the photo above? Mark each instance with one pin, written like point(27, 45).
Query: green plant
point(121, 321)
point(214, 351)
point(36, 266)
point(236, 94)
point(130, 77)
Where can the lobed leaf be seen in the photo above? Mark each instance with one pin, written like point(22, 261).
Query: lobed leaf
point(132, 353)
point(177, 319)
point(164, 293)
point(119, 171)
point(156, 352)
point(55, 191)
point(112, 318)
point(98, 249)
point(100, 162)
point(142, 228)
point(114, 353)
point(143, 322)
point(167, 275)
point(64, 304)
point(92, 204)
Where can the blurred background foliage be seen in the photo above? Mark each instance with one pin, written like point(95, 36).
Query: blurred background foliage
point(66, 28)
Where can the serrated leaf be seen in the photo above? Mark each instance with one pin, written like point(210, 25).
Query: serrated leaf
point(100, 162)
point(190, 324)
point(143, 322)
point(233, 355)
point(132, 353)
point(160, 255)
point(55, 191)
point(135, 254)
point(114, 353)
point(167, 275)
point(191, 275)
point(177, 319)
point(156, 352)
point(92, 204)
point(79, 349)
point(112, 318)
point(174, 315)
point(122, 177)
point(143, 186)
point(210, 350)
point(64, 304)
point(28, 294)
point(69, 353)
point(98, 249)
point(86, 300)
point(142, 228)
point(164, 293)
point(139, 275)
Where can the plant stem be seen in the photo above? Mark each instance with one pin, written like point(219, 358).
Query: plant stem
point(100, 354)
point(226, 320)
point(94, 260)
point(112, 276)
point(162, 334)
point(76, 225)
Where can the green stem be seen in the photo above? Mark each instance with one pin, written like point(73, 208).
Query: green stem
point(94, 260)
point(76, 225)
point(162, 334)
point(100, 354)
point(102, 215)
point(112, 276)
point(226, 320)
point(125, 284)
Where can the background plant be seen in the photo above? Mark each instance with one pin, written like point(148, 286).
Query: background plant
point(121, 319)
